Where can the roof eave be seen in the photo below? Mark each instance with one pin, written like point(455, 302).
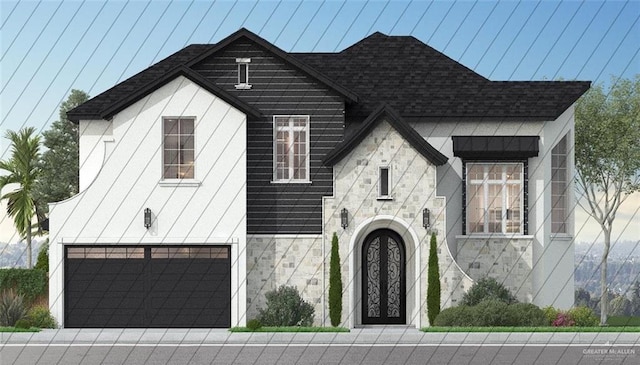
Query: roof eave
point(189, 74)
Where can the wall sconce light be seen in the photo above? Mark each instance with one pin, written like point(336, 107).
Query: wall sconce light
point(426, 218)
point(147, 218)
point(344, 218)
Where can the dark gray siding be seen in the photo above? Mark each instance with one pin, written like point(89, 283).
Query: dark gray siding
point(280, 89)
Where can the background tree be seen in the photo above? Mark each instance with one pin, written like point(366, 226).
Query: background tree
point(59, 163)
point(335, 284)
point(433, 282)
point(607, 152)
point(22, 168)
point(635, 298)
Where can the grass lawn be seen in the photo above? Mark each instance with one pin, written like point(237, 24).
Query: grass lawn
point(533, 329)
point(623, 321)
point(291, 329)
point(13, 329)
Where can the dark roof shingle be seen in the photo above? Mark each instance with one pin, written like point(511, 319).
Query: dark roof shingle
point(401, 71)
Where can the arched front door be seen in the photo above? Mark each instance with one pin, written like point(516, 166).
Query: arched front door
point(383, 278)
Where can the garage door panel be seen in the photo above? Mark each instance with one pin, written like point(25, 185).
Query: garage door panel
point(107, 318)
point(105, 267)
point(110, 300)
point(148, 292)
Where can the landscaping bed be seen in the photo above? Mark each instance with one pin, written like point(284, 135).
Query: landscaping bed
point(290, 329)
point(533, 329)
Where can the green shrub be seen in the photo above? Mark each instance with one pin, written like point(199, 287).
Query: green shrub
point(433, 282)
point(527, 315)
point(335, 284)
point(23, 323)
point(551, 314)
point(254, 324)
point(12, 308)
point(41, 317)
point(583, 317)
point(29, 283)
point(493, 312)
point(460, 316)
point(285, 307)
point(42, 263)
point(487, 288)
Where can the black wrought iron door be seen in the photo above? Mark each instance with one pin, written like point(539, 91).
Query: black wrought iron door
point(383, 278)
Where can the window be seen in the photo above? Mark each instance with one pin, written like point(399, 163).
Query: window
point(179, 149)
point(384, 182)
point(105, 253)
point(559, 183)
point(494, 197)
point(243, 73)
point(189, 252)
point(291, 157)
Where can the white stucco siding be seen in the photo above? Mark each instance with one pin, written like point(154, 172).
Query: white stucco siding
point(210, 209)
point(93, 137)
point(554, 260)
point(449, 182)
point(553, 255)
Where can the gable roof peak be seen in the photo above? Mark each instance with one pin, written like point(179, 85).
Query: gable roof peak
point(386, 113)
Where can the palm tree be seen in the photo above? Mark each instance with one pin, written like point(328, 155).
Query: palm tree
point(23, 170)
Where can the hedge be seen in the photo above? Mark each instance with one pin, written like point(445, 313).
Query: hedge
point(30, 283)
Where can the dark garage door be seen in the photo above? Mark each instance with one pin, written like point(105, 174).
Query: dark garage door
point(148, 286)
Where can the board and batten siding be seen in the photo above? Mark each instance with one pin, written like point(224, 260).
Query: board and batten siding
point(278, 88)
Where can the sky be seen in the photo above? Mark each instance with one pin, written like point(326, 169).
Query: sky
point(51, 47)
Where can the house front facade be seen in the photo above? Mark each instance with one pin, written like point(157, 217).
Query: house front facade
point(223, 171)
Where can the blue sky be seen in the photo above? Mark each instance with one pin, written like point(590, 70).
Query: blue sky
point(50, 47)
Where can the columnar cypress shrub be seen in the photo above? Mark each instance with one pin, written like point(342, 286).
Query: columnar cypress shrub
point(433, 282)
point(335, 284)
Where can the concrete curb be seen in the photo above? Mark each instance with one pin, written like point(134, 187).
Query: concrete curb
point(357, 337)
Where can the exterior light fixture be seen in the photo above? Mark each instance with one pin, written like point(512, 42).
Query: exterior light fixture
point(426, 218)
point(344, 218)
point(147, 218)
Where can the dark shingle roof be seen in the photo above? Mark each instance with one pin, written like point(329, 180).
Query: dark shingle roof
point(411, 77)
point(385, 112)
point(94, 107)
point(417, 80)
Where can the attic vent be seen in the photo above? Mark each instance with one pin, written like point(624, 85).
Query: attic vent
point(243, 73)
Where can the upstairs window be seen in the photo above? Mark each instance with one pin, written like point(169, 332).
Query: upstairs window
point(494, 197)
point(243, 73)
point(291, 148)
point(559, 184)
point(384, 183)
point(179, 148)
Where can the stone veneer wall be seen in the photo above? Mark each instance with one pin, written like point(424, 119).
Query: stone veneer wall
point(284, 260)
point(508, 260)
point(413, 180)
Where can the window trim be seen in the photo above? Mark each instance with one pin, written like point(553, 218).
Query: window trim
point(291, 180)
point(523, 199)
point(565, 187)
point(178, 181)
point(243, 85)
point(387, 196)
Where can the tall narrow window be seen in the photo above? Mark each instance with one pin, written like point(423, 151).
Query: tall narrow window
point(494, 197)
point(243, 73)
point(179, 148)
point(291, 152)
point(384, 182)
point(559, 183)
